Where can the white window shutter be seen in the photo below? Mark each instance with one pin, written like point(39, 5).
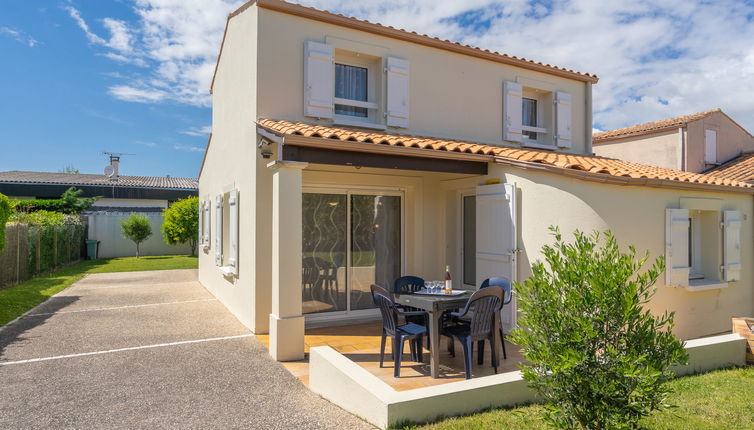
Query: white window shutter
point(710, 146)
point(207, 223)
point(398, 73)
point(731, 245)
point(219, 230)
point(512, 111)
point(319, 79)
point(201, 224)
point(563, 119)
point(233, 231)
point(676, 247)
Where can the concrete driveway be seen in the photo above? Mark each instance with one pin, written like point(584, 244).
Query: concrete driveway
point(148, 350)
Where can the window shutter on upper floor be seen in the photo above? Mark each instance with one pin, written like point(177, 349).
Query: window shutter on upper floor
point(512, 111)
point(233, 231)
point(398, 74)
point(710, 146)
point(563, 119)
point(676, 247)
point(731, 245)
point(219, 230)
point(319, 79)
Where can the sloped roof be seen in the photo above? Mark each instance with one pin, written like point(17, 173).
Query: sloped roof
point(397, 33)
point(157, 182)
point(740, 168)
point(588, 167)
point(650, 127)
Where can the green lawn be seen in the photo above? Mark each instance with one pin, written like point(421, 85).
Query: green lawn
point(16, 300)
point(717, 400)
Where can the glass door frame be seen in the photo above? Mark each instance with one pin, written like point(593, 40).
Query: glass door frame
point(460, 216)
point(348, 191)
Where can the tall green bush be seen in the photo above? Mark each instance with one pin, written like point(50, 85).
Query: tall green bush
point(5, 210)
point(181, 222)
point(136, 228)
point(597, 356)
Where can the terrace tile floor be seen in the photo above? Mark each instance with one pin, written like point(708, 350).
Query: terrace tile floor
point(361, 344)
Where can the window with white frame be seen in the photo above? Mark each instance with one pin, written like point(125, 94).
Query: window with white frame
point(226, 232)
point(348, 86)
point(536, 117)
point(703, 247)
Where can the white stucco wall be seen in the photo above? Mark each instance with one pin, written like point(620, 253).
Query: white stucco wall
point(660, 150)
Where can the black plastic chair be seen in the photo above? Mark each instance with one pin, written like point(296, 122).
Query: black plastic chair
point(414, 333)
point(507, 287)
point(409, 285)
point(484, 305)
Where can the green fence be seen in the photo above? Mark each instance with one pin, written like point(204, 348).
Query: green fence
point(31, 250)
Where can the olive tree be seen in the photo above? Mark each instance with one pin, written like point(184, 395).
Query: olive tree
point(596, 355)
point(180, 223)
point(136, 228)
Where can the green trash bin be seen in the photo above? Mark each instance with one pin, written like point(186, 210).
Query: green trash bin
point(91, 249)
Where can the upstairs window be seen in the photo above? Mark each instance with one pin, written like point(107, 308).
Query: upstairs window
point(529, 117)
point(351, 83)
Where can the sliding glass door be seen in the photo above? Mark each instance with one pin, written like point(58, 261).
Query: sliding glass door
point(351, 240)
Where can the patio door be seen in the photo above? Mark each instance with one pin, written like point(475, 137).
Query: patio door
point(351, 239)
point(496, 238)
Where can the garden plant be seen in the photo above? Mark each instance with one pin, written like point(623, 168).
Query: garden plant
point(596, 355)
point(136, 228)
point(181, 223)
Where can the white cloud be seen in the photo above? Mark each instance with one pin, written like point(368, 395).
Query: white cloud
point(145, 143)
point(139, 95)
point(188, 148)
point(76, 15)
point(198, 131)
point(654, 59)
point(19, 36)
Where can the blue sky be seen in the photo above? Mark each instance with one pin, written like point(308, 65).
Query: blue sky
point(85, 76)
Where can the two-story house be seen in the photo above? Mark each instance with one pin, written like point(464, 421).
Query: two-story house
point(698, 142)
point(346, 153)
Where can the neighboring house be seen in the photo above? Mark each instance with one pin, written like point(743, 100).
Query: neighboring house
point(119, 197)
point(693, 143)
point(346, 153)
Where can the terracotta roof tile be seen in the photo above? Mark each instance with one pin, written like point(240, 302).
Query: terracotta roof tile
point(568, 162)
point(649, 127)
point(165, 182)
point(740, 168)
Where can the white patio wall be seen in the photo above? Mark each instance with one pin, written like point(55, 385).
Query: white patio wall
point(350, 386)
point(105, 227)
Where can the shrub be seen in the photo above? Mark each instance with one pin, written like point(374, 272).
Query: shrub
point(597, 356)
point(5, 211)
point(68, 203)
point(181, 222)
point(47, 218)
point(136, 228)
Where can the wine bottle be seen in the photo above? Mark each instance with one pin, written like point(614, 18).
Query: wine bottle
point(448, 281)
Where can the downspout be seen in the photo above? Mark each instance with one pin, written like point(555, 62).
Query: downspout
point(589, 124)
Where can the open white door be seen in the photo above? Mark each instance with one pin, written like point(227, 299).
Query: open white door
point(496, 238)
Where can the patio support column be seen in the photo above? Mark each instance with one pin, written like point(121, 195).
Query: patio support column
point(286, 320)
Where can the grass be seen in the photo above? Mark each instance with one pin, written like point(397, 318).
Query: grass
point(717, 400)
point(16, 300)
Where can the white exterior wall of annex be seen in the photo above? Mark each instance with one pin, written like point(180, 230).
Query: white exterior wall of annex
point(636, 214)
point(231, 163)
point(662, 149)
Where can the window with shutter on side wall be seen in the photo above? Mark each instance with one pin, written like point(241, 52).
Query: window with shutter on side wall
point(201, 225)
point(207, 224)
point(676, 247)
point(233, 231)
point(512, 111)
point(219, 230)
point(398, 74)
point(319, 80)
